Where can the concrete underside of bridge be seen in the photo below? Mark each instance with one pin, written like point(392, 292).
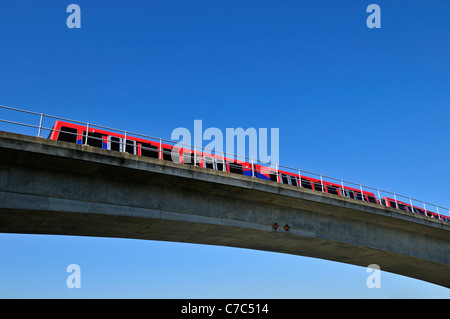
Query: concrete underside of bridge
point(52, 187)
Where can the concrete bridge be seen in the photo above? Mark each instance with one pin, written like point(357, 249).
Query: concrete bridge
point(53, 187)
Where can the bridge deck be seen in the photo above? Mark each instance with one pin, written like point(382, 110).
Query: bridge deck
point(52, 187)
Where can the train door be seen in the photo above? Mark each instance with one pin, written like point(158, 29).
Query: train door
point(130, 147)
point(293, 180)
point(284, 178)
point(115, 143)
point(288, 179)
point(213, 163)
point(349, 193)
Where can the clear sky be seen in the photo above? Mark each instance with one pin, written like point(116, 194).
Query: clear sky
point(366, 105)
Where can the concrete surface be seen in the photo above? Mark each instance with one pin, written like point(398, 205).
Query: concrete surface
point(52, 187)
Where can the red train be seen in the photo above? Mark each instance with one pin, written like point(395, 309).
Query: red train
point(74, 133)
point(390, 202)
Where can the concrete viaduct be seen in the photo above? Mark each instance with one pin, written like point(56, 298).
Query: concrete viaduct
point(53, 187)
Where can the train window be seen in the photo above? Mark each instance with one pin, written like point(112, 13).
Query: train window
point(349, 193)
point(409, 209)
point(67, 134)
point(175, 155)
point(149, 150)
point(213, 163)
point(332, 190)
point(94, 139)
point(306, 183)
point(169, 156)
point(273, 176)
point(401, 206)
point(372, 199)
point(189, 159)
point(130, 147)
point(318, 186)
point(236, 168)
point(392, 204)
point(284, 179)
point(358, 195)
point(209, 162)
point(197, 160)
point(293, 180)
point(419, 211)
point(114, 143)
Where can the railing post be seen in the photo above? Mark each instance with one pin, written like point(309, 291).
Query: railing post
point(201, 157)
point(40, 124)
point(123, 145)
point(299, 178)
point(321, 183)
point(160, 149)
point(395, 199)
point(379, 196)
point(252, 167)
point(362, 194)
point(87, 133)
point(195, 157)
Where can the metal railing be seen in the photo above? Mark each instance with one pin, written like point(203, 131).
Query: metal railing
point(216, 159)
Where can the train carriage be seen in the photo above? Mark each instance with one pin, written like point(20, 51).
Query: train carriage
point(394, 203)
point(85, 135)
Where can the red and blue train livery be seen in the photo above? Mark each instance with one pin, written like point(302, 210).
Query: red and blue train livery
point(74, 133)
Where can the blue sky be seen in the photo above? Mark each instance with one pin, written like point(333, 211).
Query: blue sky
point(366, 105)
